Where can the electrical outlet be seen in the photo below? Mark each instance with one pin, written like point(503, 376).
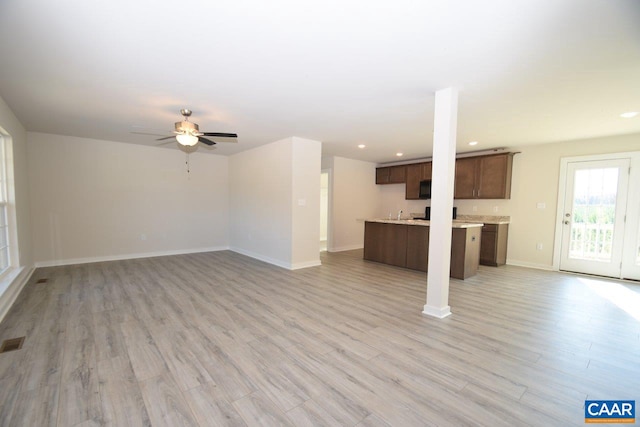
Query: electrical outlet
point(495, 209)
point(143, 236)
point(539, 246)
point(541, 205)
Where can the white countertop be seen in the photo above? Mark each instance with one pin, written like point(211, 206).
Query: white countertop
point(485, 219)
point(455, 224)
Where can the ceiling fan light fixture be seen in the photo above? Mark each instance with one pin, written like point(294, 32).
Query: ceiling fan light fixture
point(187, 139)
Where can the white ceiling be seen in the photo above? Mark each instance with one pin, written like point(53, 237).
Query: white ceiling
point(342, 72)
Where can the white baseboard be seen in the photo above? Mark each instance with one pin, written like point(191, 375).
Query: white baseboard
point(276, 262)
point(307, 264)
point(16, 280)
point(261, 257)
point(345, 248)
point(87, 260)
point(439, 312)
point(518, 263)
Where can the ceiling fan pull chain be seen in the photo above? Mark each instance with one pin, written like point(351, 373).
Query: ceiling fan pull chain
point(188, 169)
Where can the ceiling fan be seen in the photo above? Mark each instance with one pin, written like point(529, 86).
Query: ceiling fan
point(188, 133)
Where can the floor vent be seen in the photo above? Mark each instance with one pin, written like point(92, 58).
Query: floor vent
point(42, 280)
point(11, 344)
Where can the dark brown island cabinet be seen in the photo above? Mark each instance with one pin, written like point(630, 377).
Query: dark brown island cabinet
point(493, 250)
point(407, 246)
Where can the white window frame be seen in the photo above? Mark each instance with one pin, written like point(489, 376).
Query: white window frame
point(8, 226)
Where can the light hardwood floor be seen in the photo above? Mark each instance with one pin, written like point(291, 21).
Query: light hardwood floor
point(221, 339)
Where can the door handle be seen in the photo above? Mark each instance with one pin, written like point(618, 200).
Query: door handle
point(566, 222)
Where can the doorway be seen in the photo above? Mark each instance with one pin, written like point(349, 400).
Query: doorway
point(598, 219)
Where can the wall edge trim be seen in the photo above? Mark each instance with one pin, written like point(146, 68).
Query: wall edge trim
point(9, 296)
point(71, 261)
point(517, 263)
point(260, 257)
point(346, 248)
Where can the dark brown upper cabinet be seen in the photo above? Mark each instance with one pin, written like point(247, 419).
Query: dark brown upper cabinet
point(484, 177)
point(415, 173)
point(478, 177)
point(465, 181)
point(391, 175)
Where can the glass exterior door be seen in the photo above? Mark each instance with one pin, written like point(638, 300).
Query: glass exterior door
point(594, 217)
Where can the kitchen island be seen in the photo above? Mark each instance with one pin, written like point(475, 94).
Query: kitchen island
point(405, 243)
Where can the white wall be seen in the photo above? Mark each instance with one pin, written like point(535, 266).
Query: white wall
point(535, 180)
point(266, 184)
point(96, 200)
point(20, 210)
point(354, 198)
point(392, 200)
point(305, 202)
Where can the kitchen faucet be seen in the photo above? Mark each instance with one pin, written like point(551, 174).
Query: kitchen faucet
point(399, 214)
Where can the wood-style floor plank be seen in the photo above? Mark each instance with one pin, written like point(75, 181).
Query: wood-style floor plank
point(180, 355)
point(37, 407)
point(222, 339)
point(79, 386)
point(120, 395)
point(10, 386)
point(165, 403)
point(257, 410)
point(143, 353)
point(212, 408)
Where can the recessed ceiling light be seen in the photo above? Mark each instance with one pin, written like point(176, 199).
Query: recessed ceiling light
point(399, 154)
point(629, 114)
point(473, 143)
point(361, 146)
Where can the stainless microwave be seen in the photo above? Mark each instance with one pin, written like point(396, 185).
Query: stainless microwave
point(425, 189)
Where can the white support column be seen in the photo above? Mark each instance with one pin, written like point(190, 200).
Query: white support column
point(444, 158)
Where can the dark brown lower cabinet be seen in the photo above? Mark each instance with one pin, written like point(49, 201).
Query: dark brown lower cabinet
point(385, 243)
point(465, 252)
point(408, 246)
point(493, 251)
point(417, 247)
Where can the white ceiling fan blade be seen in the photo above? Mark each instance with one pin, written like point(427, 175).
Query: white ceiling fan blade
point(148, 133)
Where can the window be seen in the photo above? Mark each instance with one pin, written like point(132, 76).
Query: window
point(5, 261)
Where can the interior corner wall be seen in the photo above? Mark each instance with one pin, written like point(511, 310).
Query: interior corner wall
point(98, 200)
point(265, 185)
point(260, 194)
point(354, 198)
